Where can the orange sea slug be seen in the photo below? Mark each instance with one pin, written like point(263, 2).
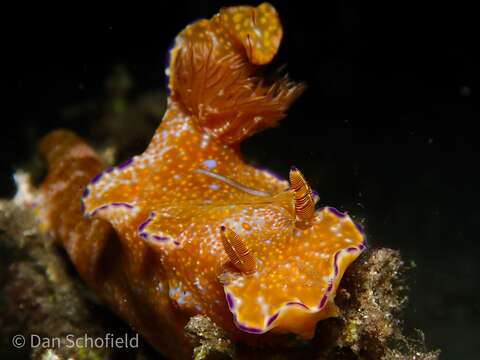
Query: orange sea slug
point(187, 227)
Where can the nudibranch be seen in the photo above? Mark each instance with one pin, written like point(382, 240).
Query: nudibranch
point(188, 227)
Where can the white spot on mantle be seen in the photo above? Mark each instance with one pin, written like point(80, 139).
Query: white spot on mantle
point(211, 164)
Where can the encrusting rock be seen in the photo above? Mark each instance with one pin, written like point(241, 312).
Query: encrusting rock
point(210, 341)
point(38, 295)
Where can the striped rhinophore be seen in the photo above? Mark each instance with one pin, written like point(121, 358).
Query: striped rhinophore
point(237, 251)
point(304, 202)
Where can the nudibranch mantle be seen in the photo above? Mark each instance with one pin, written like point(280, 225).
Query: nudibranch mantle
point(228, 240)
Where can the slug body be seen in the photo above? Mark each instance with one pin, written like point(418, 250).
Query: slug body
point(188, 227)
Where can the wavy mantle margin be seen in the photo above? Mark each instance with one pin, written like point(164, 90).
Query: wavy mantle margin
point(94, 181)
point(333, 277)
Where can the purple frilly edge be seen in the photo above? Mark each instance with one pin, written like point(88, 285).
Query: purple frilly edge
point(338, 255)
point(87, 191)
point(110, 205)
point(149, 237)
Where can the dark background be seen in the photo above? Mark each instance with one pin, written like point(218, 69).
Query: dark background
point(386, 129)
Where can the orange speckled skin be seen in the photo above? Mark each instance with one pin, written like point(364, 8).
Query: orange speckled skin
point(146, 234)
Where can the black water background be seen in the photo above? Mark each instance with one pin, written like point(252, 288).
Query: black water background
point(386, 130)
